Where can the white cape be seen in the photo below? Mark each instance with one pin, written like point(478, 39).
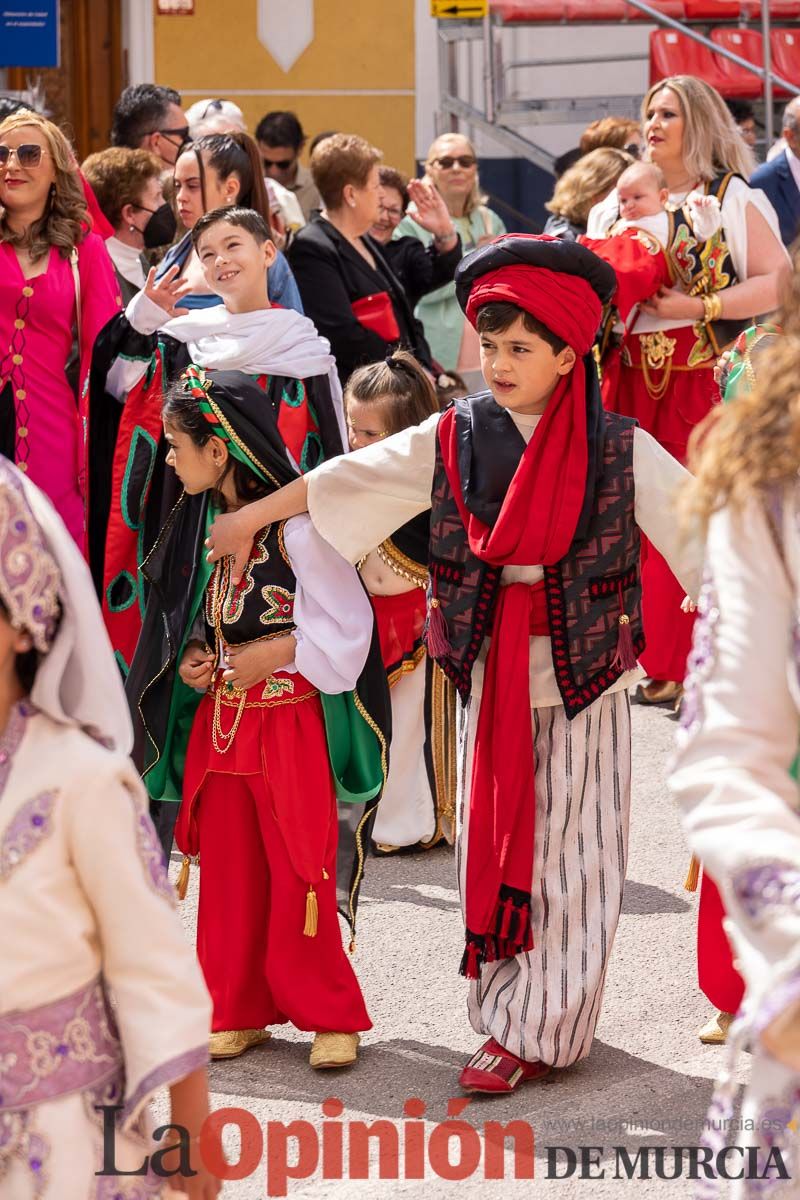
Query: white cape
point(274, 341)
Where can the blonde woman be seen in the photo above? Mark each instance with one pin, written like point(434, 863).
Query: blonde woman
point(452, 168)
point(739, 734)
point(55, 276)
point(581, 187)
point(666, 379)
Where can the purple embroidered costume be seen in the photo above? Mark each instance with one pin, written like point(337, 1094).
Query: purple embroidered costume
point(101, 1000)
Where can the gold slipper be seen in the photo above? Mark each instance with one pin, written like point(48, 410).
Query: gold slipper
point(334, 1050)
point(715, 1032)
point(230, 1043)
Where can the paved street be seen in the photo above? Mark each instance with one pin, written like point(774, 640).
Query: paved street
point(646, 1083)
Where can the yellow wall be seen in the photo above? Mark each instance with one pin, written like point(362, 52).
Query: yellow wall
point(358, 47)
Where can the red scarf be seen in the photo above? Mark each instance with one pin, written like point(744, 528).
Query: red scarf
point(536, 525)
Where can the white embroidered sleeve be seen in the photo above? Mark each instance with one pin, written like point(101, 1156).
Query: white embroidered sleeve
point(332, 612)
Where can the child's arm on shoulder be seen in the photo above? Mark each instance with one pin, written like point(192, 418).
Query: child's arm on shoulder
point(658, 479)
point(355, 501)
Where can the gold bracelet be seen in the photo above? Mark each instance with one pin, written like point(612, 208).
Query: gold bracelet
point(712, 307)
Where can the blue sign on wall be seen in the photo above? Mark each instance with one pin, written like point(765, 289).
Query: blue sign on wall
point(29, 34)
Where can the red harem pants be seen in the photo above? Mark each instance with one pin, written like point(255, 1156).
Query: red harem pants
point(718, 978)
point(687, 398)
point(263, 819)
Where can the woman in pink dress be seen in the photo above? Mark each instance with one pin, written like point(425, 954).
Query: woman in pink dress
point(56, 278)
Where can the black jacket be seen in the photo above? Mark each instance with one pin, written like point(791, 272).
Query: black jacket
point(777, 182)
point(331, 274)
point(421, 269)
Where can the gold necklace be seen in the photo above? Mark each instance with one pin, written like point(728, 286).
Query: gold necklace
point(223, 741)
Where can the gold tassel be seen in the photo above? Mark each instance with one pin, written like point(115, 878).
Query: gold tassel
point(183, 878)
point(353, 946)
point(312, 913)
point(693, 875)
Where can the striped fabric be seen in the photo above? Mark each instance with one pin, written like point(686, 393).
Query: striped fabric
point(545, 1004)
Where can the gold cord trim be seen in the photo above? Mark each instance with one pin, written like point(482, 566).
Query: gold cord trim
point(406, 666)
point(402, 566)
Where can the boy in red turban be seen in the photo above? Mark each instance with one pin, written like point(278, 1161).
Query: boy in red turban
point(537, 498)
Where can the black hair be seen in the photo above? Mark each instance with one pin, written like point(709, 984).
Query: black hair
point(181, 410)
point(8, 106)
point(741, 110)
point(139, 111)
point(320, 137)
point(280, 129)
point(566, 160)
point(499, 315)
point(233, 154)
point(243, 218)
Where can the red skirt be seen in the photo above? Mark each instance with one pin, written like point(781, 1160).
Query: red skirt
point(668, 397)
point(401, 620)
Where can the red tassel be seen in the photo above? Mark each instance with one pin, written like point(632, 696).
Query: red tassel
point(471, 971)
point(436, 638)
point(625, 657)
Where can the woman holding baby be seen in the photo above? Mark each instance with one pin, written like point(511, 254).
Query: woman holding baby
point(719, 283)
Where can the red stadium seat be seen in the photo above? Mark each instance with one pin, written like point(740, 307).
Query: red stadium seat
point(779, 10)
point(712, 10)
point(673, 53)
point(595, 10)
point(528, 10)
point(618, 10)
point(785, 44)
point(747, 43)
point(670, 8)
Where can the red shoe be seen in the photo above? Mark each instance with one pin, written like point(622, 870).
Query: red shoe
point(496, 1071)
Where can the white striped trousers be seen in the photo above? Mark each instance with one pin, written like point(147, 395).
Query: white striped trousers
point(545, 1004)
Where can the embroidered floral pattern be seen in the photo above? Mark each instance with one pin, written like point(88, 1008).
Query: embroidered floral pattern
point(276, 687)
point(30, 825)
point(763, 887)
point(280, 605)
point(19, 1141)
point(58, 1048)
point(233, 604)
point(12, 737)
point(152, 854)
point(701, 659)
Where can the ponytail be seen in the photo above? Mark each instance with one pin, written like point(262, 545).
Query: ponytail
point(402, 384)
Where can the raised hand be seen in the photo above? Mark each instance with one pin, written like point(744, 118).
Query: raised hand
point(166, 291)
point(431, 211)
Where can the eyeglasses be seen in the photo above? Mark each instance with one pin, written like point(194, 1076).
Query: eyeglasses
point(634, 149)
point(282, 164)
point(27, 155)
point(462, 160)
point(181, 132)
point(395, 213)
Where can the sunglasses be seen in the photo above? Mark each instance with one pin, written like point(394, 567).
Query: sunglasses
point(282, 164)
point(462, 160)
point(635, 150)
point(181, 132)
point(28, 155)
point(212, 106)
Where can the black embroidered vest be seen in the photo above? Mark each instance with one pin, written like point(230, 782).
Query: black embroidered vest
point(587, 591)
point(261, 605)
point(705, 267)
